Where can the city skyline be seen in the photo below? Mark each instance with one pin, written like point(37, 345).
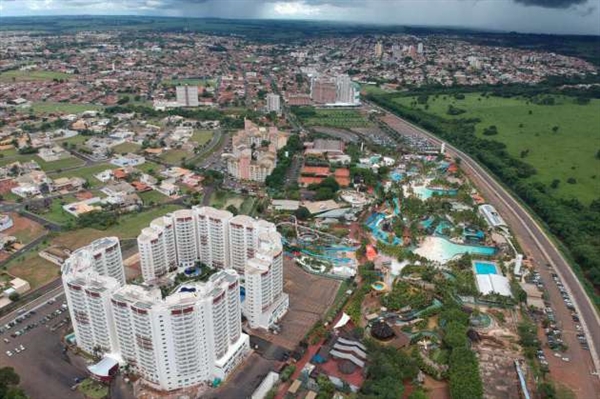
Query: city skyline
point(527, 16)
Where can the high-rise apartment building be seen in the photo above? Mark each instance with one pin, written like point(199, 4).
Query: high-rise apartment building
point(420, 48)
point(378, 50)
point(187, 96)
point(344, 89)
point(273, 103)
point(254, 152)
point(265, 303)
point(194, 335)
point(323, 90)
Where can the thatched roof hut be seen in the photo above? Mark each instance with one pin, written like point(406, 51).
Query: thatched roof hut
point(382, 331)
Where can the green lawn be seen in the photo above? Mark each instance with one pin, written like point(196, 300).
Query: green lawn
point(46, 166)
point(56, 213)
point(567, 153)
point(24, 76)
point(175, 156)
point(66, 108)
point(87, 173)
point(126, 147)
point(9, 152)
point(93, 389)
point(129, 226)
point(343, 119)
point(77, 140)
point(34, 269)
point(202, 137)
point(149, 166)
point(189, 82)
point(153, 197)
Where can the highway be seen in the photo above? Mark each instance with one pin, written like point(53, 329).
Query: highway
point(539, 247)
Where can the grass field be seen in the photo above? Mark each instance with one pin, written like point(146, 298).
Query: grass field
point(126, 147)
point(149, 167)
point(46, 166)
point(87, 173)
point(27, 76)
point(65, 108)
point(567, 153)
point(202, 137)
point(77, 140)
point(153, 197)
point(343, 119)
point(31, 267)
point(175, 156)
point(189, 82)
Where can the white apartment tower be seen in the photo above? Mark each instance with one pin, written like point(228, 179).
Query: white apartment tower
point(187, 96)
point(344, 89)
point(185, 237)
point(221, 241)
point(192, 336)
point(213, 237)
point(90, 275)
point(157, 250)
point(273, 103)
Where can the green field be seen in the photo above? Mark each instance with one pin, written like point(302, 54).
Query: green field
point(27, 76)
point(126, 148)
point(153, 197)
point(189, 82)
point(202, 137)
point(175, 156)
point(567, 153)
point(342, 119)
point(65, 108)
point(46, 166)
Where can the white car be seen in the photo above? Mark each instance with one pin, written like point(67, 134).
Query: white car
point(566, 359)
point(22, 347)
point(8, 353)
point(17, 350)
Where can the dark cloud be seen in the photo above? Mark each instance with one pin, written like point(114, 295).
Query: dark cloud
point(551, 3)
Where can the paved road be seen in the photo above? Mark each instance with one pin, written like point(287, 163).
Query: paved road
point(541, 248)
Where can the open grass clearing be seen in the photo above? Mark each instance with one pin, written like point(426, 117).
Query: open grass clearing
point(126, 147)
point(32, 75)
point(52, 166)
point(568, 152)
point(175, 156)
point(153, 197)
point(202, 137)
point(64, 108)
point(34, 269)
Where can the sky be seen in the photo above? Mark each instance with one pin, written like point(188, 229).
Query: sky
point(529, 16)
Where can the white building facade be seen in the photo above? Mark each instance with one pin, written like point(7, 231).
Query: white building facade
point(194, 335)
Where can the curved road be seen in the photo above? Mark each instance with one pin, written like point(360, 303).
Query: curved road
point(539, 247)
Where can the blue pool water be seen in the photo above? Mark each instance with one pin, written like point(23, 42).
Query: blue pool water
point(443, 225)
point(485, 267)
point(396, 176)
point(426, 193)
point(373, 223)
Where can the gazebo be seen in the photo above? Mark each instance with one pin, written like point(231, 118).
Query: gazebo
point(382, 331)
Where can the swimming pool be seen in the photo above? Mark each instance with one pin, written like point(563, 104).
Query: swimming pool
point(485, 267)
point(426, 193)
point(440, 249)
point(396, 176)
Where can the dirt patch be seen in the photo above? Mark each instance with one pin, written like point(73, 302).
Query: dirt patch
point(310, 297)
point(6, 185)
point(26, 230)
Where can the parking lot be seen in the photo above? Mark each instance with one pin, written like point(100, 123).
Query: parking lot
point(31, 343)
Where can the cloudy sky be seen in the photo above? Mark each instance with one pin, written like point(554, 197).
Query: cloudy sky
point(545, 16)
